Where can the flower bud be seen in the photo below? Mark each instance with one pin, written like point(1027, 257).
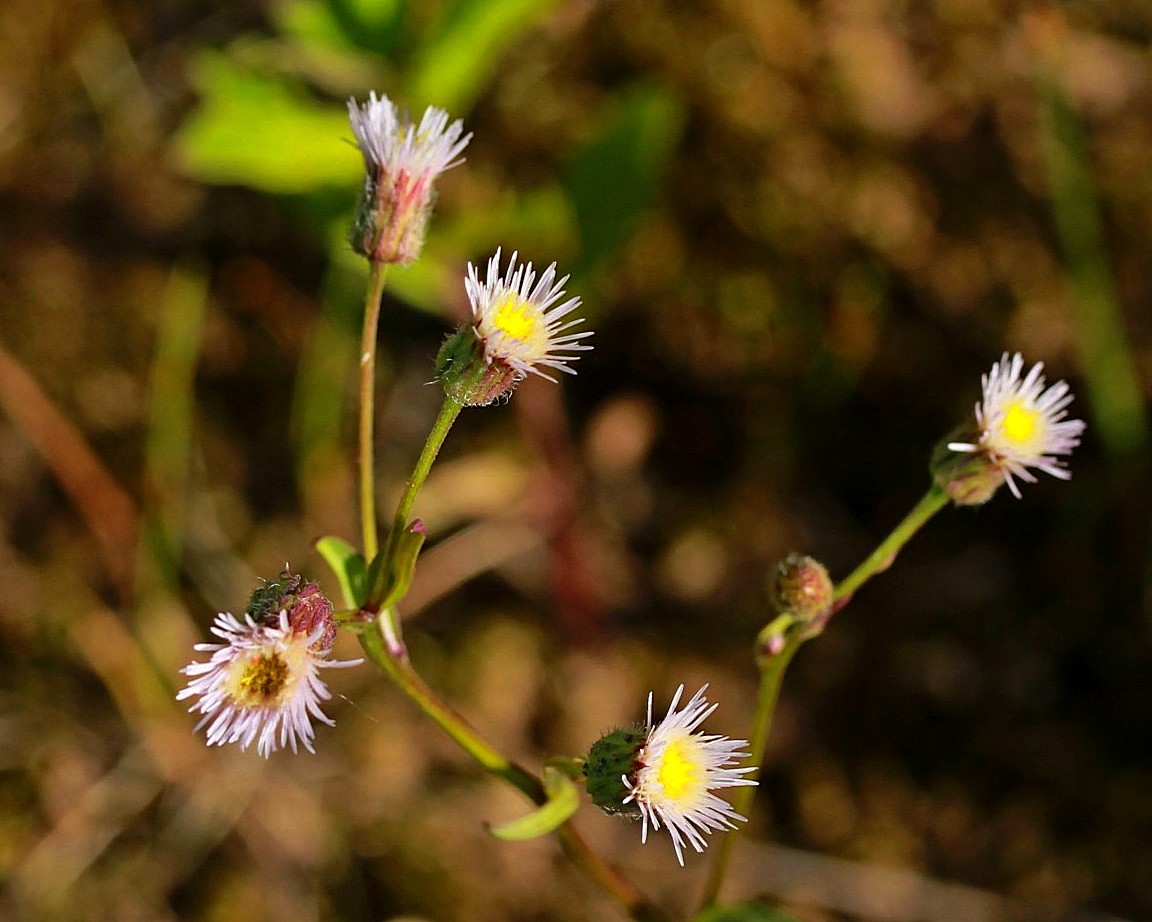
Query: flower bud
point(969, 479)
point(803, 588)
point(308, 610)
point(402, 161)
point(611, 759)
point(466, 373)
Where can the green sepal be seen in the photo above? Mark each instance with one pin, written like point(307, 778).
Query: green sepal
point(349, 567)
point(563, 800)
point(612, 758)
point(390, 575)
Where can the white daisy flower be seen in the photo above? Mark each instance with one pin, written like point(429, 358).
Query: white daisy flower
point(518, 320)
point(677, 770)
point(263, 685)
point(402, 162)
point(1021, 424)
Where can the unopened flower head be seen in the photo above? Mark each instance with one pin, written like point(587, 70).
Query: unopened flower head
point(262, 685)
point(1021, 425)
point(664, 774)
point(402, 162)
point(802, 587)
point(520, 325)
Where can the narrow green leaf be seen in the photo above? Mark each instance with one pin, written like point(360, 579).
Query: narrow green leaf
point(456, 63)
point(563, 801)
point(349, 567)
point(616, 176)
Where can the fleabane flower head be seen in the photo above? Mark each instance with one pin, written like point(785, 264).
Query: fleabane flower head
point(1020, 427)
point(262, 685)
point(520, 325)
point(401, 163)
point(665, 773)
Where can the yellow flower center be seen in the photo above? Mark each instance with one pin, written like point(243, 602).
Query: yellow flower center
point(516, 318)
point(1021, 422)
point(259, 680)
point(681, 772)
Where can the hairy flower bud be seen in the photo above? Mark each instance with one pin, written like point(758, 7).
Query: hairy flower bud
point(402, 162)
point(969, 479)
point(803, 588)
point(611, 759)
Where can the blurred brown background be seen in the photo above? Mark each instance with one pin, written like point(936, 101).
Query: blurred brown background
point(802, 230)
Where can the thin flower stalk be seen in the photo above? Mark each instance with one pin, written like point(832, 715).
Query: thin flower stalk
point(366, 431)
point(400, 670)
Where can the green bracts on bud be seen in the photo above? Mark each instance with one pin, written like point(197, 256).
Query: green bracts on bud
point(468, 377)
point(612, 758)
point(969, 479)
point(388, 225)
point(366, 228)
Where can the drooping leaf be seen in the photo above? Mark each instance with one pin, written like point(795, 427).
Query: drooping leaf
point(563, 801)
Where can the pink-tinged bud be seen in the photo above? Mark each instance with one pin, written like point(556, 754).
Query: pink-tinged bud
point(402, 162)
point(312, 612)
point(803, 588)
point(307, 609)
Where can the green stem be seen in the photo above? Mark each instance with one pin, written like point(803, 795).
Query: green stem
point(881, 558)
point(447, 416)
point(773, 667)
point(378, 273)
point(772, 671)
point(395, 664)
point(398, 668)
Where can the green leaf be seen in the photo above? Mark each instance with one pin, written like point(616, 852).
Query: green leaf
point(258, 129)
point(456, 63)
point(392, 570)
point(348, 565)
point(563, 800)
point(615, 177)
point(376, 26)
point(744, 912)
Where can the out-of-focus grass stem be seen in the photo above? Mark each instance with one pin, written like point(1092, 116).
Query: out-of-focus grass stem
point(167, 449)
point(1113, 385)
